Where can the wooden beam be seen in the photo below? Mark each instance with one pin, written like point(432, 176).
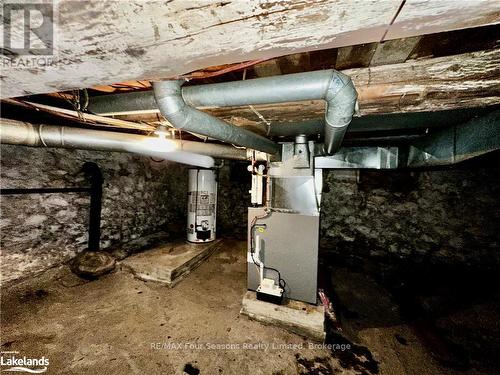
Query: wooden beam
point(419, 17)
point(94, 119)
point(103, 42)
point(461, 81)
point(394, 51)
point(355, 56)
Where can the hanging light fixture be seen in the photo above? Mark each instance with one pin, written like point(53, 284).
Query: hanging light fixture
point(162, 147)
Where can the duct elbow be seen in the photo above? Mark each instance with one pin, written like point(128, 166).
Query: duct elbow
point(168, 96)
point(341, 98)
point(334, 87)
point(170, 101)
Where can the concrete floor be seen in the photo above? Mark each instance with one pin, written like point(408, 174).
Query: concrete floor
point(121, 325)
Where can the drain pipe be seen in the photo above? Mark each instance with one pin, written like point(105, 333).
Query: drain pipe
point(334, 87)
point(172, 106)
point(22, 133)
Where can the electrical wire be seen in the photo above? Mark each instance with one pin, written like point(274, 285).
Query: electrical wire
point(231, 68)
point(238, 147)
point(281, 282)
point(259, 115)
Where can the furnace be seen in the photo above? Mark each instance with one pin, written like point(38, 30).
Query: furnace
point(283, 232)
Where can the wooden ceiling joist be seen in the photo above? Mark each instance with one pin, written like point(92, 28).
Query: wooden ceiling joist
point(104, 42)
point(461, 81)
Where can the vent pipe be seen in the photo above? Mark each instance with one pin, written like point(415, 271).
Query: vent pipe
point(335, 88)
point(172, 106)
point(196, 153)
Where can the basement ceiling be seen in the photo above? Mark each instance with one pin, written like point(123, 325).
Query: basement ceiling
point(437, 72)
point(408, 86)
point(150, 40)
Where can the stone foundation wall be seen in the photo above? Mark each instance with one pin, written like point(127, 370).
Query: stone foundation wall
point(233, 200)
point(140, 197)
point(449, 216)
point(440, 217)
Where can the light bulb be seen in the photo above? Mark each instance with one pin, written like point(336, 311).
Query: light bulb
point(162, 147)
point(160, 144)
point(161, 132)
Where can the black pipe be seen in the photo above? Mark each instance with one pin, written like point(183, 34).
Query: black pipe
point(94, 176)
point(43, 191)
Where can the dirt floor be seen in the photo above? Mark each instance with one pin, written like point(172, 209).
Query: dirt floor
point(121, 325)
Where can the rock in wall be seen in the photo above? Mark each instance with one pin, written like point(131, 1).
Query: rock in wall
point(140, 197)
point(233, 200)
point(448, 216)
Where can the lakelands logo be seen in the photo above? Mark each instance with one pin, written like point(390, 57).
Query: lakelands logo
point(11, 362)
point(28, 33)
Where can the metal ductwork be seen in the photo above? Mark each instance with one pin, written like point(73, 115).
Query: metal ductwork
point(176, 104)
point(457, 143)
point(21, 133)
point(334, 87)
point(170, 101)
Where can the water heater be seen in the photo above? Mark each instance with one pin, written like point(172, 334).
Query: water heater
point(202, 205)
